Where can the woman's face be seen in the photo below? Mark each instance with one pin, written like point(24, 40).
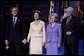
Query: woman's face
point(36, 16)
point(53, 19)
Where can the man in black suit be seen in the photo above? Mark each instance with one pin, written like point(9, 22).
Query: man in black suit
point(15, 33)
point(71, 27)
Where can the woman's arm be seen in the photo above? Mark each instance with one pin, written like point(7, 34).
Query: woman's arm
point(60, 34)
point(43, 32)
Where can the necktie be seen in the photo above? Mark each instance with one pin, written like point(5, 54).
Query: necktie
point(67, 21)
point(14, 21)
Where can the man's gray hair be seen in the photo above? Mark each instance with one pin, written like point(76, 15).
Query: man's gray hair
point(70, 9)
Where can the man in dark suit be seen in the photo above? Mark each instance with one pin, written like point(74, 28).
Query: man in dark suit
point(15, 33)
point(71, 27)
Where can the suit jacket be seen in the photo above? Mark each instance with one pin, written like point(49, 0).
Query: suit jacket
point(37, 31)
point(73, 26)
point(53, 33)
point(15, 34)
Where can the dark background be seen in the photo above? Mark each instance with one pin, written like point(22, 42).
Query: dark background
point(26, 9)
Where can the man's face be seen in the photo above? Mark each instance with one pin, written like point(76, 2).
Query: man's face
point(68, 12)
point(14, 11)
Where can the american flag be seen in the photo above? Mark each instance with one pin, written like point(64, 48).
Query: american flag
point(51, 7)
point(51, 10)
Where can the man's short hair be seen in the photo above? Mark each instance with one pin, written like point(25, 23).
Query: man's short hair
point(15, 7)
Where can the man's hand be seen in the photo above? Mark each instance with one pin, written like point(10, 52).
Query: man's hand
point(24, 41)
point(6, 42)
point(68, 33)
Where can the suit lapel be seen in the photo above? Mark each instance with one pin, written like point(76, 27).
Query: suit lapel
point(17, 22)
point(69, 21)
point(11, 22)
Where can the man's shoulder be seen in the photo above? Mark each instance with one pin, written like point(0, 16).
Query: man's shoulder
point(74, 17)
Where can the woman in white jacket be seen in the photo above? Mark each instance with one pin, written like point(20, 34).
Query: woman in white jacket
point(36, 35)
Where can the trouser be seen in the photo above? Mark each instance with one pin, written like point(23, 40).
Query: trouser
point(14, 50)
point(71, 48)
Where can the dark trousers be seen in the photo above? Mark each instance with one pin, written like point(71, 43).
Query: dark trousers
point(71, 48)
point(14, 50)
point(25, 49)
point(18, 49)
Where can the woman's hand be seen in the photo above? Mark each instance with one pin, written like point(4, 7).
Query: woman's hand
point(43, 44)
point(46, 45)
point(58, 45)
point(27, 40)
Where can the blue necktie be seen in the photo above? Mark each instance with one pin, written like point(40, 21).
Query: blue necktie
point(14, 21)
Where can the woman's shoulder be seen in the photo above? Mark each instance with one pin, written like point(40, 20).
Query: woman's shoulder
point(42, 22)
point(48, 25)
point(59, 24)
point(32, 23)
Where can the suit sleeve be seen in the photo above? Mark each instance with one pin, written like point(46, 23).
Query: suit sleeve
point(7, 30)
point(78, 24)
point(30, 31)
point(63, 31)
point(24, 29)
